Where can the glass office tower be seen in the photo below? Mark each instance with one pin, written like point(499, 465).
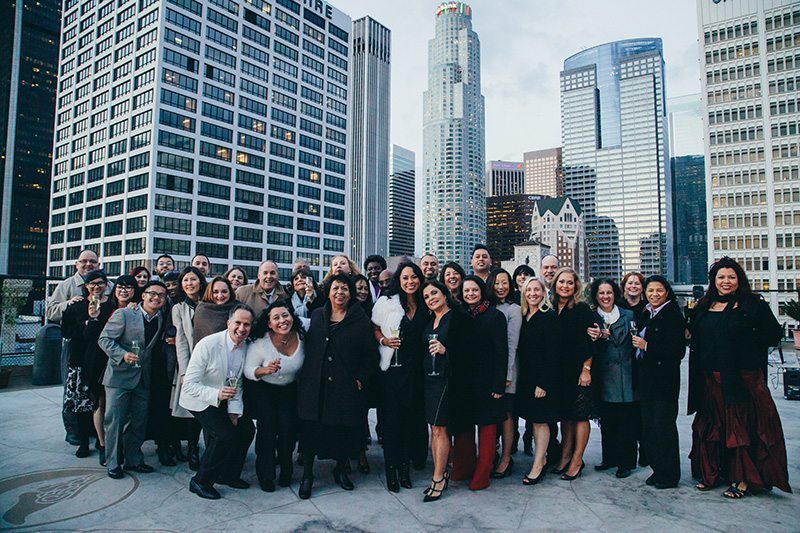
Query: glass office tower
point(615, 155)
point(454, 138)
point(402, 180)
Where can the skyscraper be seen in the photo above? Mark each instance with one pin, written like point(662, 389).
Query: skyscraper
point(543, 172)
point(558, 223)
point(688, 188)
point(28, 68)
point(504, 178)
point(616, 162)
point(508, 222)
point(454, 138)
point(216, 127)
point(750, 88)
point(402, 180)
point(369, 142)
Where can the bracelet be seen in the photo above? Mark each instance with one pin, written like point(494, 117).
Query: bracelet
point(587, 367)
point(381, 341)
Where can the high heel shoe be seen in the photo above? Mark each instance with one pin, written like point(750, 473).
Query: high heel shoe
point(405, 475)
point(342, 479)
point(305, 488)
point(446, 482)
point(559, 471)
point(392, 482)
point(505, 473)
point(531, 481)
point(434, 493)
point(567, 477)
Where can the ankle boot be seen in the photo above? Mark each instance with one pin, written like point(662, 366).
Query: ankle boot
point(405, 475)
point(194, 457)
point(341, 477)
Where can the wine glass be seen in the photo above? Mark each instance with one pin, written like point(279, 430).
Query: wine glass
point(634, 330)
point(606, 326)
point(135, 350)
point(94, 303)
point(395, 332)
point(232, 380)
point(431, 338)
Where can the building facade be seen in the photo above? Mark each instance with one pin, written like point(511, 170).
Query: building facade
point(454, 213)
point(504, 178)
point(402, 183)
point(28, 68)
point(558, 223)
point(544, 173)
point(528, 253)
point(369, 141)
point(508, 222)
point(689, 210)
point(616, 157)
point(749, 53)
point(218, 127)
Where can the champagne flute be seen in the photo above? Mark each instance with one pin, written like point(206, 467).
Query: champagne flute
point(634, 330)
point(135, 350)
point(395, 332)
point(606, 326)
point(232, 380)
point(94, 303)
point(432, 338)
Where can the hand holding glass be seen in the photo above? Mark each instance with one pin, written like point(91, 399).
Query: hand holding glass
point(395, 332)
point(433, 348)
point(135, 351)
point(232, 380)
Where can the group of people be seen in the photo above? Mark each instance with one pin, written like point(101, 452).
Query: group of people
point(444, 356)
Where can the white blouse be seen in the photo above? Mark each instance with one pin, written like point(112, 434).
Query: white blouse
point(261, 352)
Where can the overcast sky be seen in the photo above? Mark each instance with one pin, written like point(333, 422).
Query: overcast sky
point(523, 47)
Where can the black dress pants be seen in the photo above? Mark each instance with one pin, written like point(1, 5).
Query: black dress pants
point(276, 415)
point(619, 429)
point(660, 434)
point(226, 445)
point(402, 421)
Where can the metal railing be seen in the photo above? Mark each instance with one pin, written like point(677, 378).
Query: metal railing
point(22, 314)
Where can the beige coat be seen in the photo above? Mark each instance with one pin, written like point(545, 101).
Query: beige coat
point(182, 318)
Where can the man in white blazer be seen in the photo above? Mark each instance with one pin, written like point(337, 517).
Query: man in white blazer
point(212, 392)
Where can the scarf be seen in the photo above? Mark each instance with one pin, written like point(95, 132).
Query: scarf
point(210, 318)
point(609, 318)
point(480, 308)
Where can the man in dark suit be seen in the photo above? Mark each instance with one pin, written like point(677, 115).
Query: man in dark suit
point(127, 376)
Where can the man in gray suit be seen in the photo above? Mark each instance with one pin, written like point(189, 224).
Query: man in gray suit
point(127, 377)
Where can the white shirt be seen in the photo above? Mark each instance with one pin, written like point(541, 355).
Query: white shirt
point(262, 351)
point(235, 356)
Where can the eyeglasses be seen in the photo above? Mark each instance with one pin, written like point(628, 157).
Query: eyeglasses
point(96, 284)
point(155, 294)
point(124, 288)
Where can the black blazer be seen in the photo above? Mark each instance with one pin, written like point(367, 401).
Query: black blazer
point(659, 371)
point(750, 330)
point(478, 359)
point(537, 354)
point(327, 391)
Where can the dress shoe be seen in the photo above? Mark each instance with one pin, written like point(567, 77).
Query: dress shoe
point(194, 457)
point(267, 485)
point(651, 481)
point(602, 467)
point(142, 468)
point(165, 457)
point(660, 485)
point(209, 493)
point(342, 479)
point(622, 473)
point(101, 455)
point(73, 439)
point(116, 473)
point(392, 481)
point(305, 488)
point(237, 483)
point(83, 450)
point(405, 476)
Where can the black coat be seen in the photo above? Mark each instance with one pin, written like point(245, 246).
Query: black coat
point(659, 371)
point(327, 391)
point(537, 356)
point(478, 358)
point(574, 348)
point(83, 334)
point(750, 329)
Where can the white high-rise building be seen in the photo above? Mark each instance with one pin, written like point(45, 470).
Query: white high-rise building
point(454, 138)
point(402, 181)
point(218, 127)
point(369, 141)
point(504, 178)
point(750, 52)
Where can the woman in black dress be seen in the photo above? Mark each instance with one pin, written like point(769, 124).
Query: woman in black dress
point(340, 355)
point(435, 338)
point(575, 361)
point(478, 381)
point(82, 323)
point(633, 299)
point(537, 384)
point(737, 433)
point(452, 276)
point(399, 318)
point(660, 344)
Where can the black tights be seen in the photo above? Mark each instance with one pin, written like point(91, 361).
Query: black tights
point(85, 427)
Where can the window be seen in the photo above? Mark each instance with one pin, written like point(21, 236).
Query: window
point(253, 124)
point(249, 197)
point(254, 143)
point(241, 233)
point(217, 113)
point(176, 162)
point(176, 141)
point(171, 77)
point(220, 75)
point(215, 151)
point(179, 39)
point(174, 183)
point(212, 170)
point(283, 117)
point(254, 71)
point(253, 88)
point(253, 106)
point(246, 177)
point(247, 253)
point(279, 150)
point(304, 224)
point(284, 83)
point(216, 132)
point(209, 229)
point(173, 225)
point(223, 20)
point(213, 210)
point(213, 190)
point(174, 99)
point(304, 241)
point(171, 246)
point(219, 56)
point(285, 204)
point(182, 21)
point(136, 225)
point(173, 204)
point(138, 181)
point(221, 38)
point(175, 120)
point(180, 60)
point(279, 167)
point(250, 216)
point(258, 20)
point(254, 53)
point(310, 127)
point(137, 203)
point(280, 238)
point(113, 228)
point(310, 143)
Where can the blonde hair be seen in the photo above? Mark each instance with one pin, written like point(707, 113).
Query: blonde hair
point(354, 271)
point(577, 296)
point(523, 302)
